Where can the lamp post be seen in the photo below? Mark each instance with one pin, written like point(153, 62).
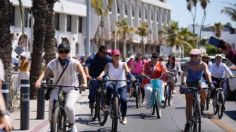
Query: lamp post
point(87, 49)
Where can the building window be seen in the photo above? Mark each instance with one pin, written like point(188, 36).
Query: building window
point(77, 48)
point(13, 16)
point(146, 15)
point(126, 11)
point(68, 23)
point(140, 15)
point(118, 9)
point(57, 21)
point(133, 11)
point(80, 24)
point(27, 11)
point(157, 17)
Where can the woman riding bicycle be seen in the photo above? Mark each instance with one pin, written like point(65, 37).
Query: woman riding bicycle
point(69, 78)
point(137, 69)
point(153, 69)
point(174, 67)
point(192, 77)
point(117, 71)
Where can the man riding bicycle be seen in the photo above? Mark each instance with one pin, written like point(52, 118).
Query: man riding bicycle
point(94, 65)
point(68, 78)
point(192, 77)
point(219, 69)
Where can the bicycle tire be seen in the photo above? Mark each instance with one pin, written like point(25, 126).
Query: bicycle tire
point(214, 103)
point(96, 109)
point(169, 96)
point(137, 96)
point(157, 105)
point(166, 95)
point(208, 100)
point(58, 120)
point(102, 115)
point(115, 109)
point(221, 105)
point(196, 117)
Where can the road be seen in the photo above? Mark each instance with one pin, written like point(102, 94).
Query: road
point(172, 120)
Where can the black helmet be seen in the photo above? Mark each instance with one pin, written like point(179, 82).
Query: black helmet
point(63, 46)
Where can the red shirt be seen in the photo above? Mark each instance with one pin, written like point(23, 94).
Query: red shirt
point(153, 71)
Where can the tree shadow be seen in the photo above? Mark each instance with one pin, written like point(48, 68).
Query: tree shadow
point(180, 107)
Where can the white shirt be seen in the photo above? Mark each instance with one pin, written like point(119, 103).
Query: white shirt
point(117, 73)
point(69, 77)
point(1, 71)
point(219, 71)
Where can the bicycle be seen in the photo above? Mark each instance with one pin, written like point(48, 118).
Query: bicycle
point(195, 122)
point(59, 118)
point(168, 91)
point(137, 90)
point(115, 103)
point(156, 101)
point(100, 98)
point(219, 98)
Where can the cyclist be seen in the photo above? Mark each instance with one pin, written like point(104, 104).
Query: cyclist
point(69, 78)
point(218, 70)
point(192, 76)
point(172, 66)
point(137, 69)
point(5, 120)
point(94, 65)
point(117, 71)
point(153, 69)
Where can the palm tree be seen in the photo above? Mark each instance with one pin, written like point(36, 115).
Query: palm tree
point(49, 43)
point(193, 4)
point(218, 29)
point(124, 30)
point(230, 11)
point(177, 37)
point(40, 15)
point(142, 30)
point(5, 39)
point(98, 6)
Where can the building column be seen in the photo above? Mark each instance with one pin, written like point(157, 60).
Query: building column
point(150, 29)
point(136, 15)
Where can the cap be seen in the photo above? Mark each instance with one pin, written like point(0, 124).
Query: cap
point(63, 46)
point(23, 54)
point(195, 52)
point(155, 55)
point(115, 52)
point(218, 55)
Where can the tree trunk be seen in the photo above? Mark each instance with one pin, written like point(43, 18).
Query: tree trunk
point(39, 13)
point(49, 43)
point(5, 43)
point(102, 31)
point(124, 48)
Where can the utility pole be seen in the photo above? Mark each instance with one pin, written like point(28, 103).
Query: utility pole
point(87, 47)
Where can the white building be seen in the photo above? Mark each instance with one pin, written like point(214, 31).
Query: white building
point(70, 22)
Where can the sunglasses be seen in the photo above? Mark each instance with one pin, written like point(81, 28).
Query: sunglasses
point(63, 51)
point(193, 55)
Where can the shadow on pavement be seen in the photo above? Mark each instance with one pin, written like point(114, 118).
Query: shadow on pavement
point(179, 107)
point(105, 129)
point(231, 114)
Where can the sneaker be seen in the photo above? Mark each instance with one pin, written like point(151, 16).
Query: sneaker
point(124, 120)
point(187, 127)
point(73, 128)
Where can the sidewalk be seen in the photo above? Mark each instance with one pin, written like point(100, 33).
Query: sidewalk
point(36, 125)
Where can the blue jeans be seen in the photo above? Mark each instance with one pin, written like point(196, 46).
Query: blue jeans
point(93, 85)
point(122, 91)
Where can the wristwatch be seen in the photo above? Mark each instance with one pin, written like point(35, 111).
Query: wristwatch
point(3, 113)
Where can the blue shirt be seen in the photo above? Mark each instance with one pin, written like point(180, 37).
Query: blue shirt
point(96, 64)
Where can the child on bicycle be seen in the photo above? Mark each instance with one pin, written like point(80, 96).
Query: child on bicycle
point(153, 69)
point(117, 71)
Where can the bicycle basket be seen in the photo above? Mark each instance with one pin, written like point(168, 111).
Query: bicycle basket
point(156, 83)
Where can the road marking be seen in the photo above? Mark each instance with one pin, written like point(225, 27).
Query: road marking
point(222, 125)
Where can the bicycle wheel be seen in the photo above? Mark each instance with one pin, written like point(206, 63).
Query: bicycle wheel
point(208, 100)
point(102, 115)
point(169, 96)
point(58, 120)
point(115, 109)
point(221, 104)
point(97, 107)
point(137, 96)
point(196, 117)
point(166, 95)
point(157, 105)
point(215, 105)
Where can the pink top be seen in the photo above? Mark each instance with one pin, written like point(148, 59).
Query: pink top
point(137, 67)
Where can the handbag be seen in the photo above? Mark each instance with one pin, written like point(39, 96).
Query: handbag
point(48, 92)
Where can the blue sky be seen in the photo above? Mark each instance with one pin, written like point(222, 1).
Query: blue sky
point(183, 16)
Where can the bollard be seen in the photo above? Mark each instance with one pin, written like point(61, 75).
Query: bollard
point(24, 103)
point(41, 102)
point(5, 93)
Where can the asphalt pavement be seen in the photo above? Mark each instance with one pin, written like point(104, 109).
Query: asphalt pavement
point(139, 120)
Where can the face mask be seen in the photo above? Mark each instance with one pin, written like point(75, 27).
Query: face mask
point(63, 62)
